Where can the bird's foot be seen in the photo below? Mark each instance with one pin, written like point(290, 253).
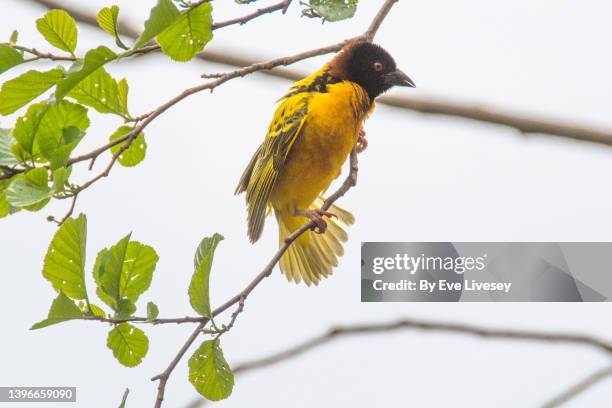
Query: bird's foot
point(317, 216)
point(362, 142)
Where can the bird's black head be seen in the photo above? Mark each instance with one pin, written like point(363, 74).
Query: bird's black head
point(370, 66)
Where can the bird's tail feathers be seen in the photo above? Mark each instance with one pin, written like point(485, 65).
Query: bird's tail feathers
point(312, 256)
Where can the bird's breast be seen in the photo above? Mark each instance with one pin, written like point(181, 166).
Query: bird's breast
point(329, 134)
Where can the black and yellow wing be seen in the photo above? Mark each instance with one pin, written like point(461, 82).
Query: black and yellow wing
point(260, 176)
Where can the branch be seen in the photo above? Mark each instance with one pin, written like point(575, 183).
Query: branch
point(282, 6)
point(240, 298)
point(37, 55)
point(579, 388)
point(337, 332)
point(406, 324)
point(523, 122)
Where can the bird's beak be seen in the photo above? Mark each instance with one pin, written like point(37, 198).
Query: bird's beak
point(398, 78)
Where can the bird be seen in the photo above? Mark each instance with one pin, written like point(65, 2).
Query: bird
point(315, 127)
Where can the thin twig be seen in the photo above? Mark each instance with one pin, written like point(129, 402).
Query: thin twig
point(282, 6)
point(43, 55)
point(580, 387)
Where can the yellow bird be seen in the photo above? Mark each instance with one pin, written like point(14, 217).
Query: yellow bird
point(315, 127)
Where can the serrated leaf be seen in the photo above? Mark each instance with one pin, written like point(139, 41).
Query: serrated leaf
point(152, 311)
point(65, 260)
point(41, 130)
point(199, 295)
point(160, 18)
point(137, 273)
point(133, 154)
point(100, 91)
point(9, 57)
point(60, 130)
point(209, 372)
point(7, 157)
point(128, 343)
point(107, 271)
point(59, 29)
point(29, 190)
point(93, 60)
point(334, 10)
point(107, 20)
point(188, 35)
point(62, 309)
point(123, 272)
point(26, 127)
point(20, 91)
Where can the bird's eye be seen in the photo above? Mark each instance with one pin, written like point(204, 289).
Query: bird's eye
point(378, 66)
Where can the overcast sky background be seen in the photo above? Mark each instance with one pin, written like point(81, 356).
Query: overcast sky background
point(423, 178)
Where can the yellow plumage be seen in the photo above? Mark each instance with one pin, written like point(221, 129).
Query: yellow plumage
point(314, 129)
point(309, 139)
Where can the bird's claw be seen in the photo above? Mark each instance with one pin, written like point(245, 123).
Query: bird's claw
point(362, 142)
point(317, 216)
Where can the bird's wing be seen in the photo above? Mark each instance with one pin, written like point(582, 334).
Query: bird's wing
point(262, 172)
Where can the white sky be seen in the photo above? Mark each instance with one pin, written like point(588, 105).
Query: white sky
point(423, 178)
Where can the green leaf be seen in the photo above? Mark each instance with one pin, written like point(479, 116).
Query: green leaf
point(161, 17)
point(65, 260)
point(122, 92)
point(9, 57)
point(97, 311)
point(62, 309)
point(334, 10)
point(5, 207)
point(107, 20)
point(60, 177)
point(94, 59)
point(152, 311)
point(209, 372)
point(7, 158)
point(29, 190)
point(137, 273)
point(128, 343)
point(60, 130)
point(188, 34)
point(41, 130)
point(26, 127)
point(133, 154)
point(124, 398)
point(14, 37)
point(107, 272)
point(59, 29)
point(20, 91)
point(199, 295)
point(125, 309)
point(100, 91)
point(124, 272)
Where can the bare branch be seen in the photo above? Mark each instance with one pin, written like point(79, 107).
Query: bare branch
point(338, 332)
point(412, 324)
point(579, 388)
point(282, 6)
